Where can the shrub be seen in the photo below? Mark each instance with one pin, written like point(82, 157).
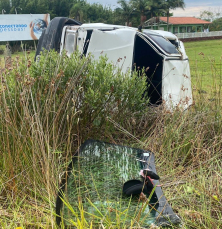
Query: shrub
point(48, 108)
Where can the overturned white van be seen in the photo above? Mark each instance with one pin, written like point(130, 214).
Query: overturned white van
point(160, 53)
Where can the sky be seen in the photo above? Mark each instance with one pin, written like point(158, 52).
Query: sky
point(192, 7)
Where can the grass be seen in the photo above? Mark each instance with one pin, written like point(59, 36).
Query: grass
point(13, 55)
point(36, 145)
point(206, 65)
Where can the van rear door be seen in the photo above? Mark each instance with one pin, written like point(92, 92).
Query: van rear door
point(68, 40)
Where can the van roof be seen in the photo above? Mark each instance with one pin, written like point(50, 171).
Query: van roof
point(103, 26)
point(165, 34)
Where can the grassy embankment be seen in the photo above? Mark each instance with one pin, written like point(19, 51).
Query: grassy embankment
point(36, 144)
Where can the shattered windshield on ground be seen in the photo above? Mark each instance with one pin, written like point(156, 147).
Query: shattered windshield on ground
point(108, 183)
point(96, 182)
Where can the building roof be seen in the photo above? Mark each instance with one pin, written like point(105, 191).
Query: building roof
point(184, 20)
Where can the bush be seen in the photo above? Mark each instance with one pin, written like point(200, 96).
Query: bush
point(49, 108)
point(216, 25)
point(2, 49)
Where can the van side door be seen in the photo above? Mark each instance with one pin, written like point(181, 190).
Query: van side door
point(117, 45)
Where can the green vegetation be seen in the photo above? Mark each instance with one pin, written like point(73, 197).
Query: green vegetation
point(216, 25)
point(215, 17)
point(206, 66)
point(85, 12)
point(49, 109)
point(130, 12)
point(14, 56)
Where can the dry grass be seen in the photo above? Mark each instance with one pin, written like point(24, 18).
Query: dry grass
point(41, 128)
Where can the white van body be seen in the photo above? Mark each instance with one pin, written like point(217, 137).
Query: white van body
point(160, 52)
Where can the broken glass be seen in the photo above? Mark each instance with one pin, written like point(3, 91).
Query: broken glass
point(94, 187)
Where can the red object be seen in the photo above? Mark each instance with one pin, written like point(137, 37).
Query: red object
point(184, 20)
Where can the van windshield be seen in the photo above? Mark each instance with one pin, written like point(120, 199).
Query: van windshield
point(163, 43)
point(99, 178)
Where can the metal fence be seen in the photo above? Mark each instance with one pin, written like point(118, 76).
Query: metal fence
point(199, 34)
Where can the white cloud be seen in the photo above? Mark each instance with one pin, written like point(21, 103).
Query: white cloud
point(194, 11)
point(193, 7)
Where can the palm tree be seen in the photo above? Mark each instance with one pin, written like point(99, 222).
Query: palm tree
point(155, 7)
point(126, 10)
point(173, 4)
point(79, 10)
point(141, 6)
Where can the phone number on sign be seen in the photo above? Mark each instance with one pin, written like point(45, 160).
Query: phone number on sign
point(12, 28)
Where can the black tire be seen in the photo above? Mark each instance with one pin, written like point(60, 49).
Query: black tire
point(51, 36)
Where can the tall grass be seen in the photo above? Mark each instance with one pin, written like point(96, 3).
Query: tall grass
point(49, 108)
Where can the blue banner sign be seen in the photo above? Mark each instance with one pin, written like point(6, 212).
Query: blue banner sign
point(14, 27)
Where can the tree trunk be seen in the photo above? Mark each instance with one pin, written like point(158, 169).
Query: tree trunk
point(168, 15)
point(142, 18)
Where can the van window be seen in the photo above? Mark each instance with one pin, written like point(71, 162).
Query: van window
point(163, 43)
point(145, 57)
point(69, 42)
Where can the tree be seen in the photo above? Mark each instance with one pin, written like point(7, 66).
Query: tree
point(209, 15)
point(149, 7)
point(126, 10)
point(141, 6)
point(5, 6)
point(216, 25)
point(171, 5)
point(79, 10)
point(98, 13)
point(155, 7)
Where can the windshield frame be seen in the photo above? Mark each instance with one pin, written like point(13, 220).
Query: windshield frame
point(156, 46)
